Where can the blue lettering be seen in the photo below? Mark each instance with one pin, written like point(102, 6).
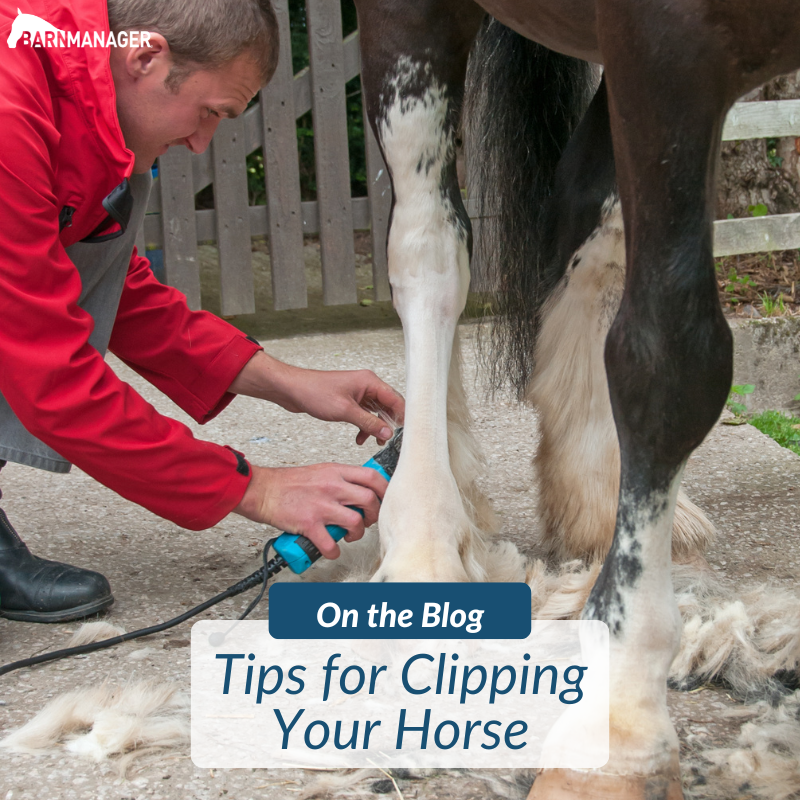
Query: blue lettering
point(287, 731)
point(230, 657)
point(511, 732)
point(406, 666)
point(402, 728)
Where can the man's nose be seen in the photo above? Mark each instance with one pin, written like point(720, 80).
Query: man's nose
point(201, 138)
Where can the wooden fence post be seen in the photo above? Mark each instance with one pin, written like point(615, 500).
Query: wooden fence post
point(282, 177)
point(324, 21)
point(233, 219)
point(182, 269)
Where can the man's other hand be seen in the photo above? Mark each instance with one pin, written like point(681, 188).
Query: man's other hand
point(359, 397)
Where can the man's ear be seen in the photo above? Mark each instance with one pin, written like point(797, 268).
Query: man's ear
point(142, 61)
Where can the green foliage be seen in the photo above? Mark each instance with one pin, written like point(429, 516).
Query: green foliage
point(772, 154)
point(305, 149)
point(735, 283)
point(299, 35)
point(771, 306)
point(736, 397)
point(758, 210)
point(784, 429)
point(355, 138)
point(256, 189)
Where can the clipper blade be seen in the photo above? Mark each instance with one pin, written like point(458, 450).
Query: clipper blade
point(387, 458)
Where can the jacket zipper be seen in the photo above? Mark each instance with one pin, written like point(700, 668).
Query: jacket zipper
point(65, 218)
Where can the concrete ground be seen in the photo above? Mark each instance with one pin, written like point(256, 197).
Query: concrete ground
point(747, 484)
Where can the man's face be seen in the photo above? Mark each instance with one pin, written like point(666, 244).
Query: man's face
point(153, 117)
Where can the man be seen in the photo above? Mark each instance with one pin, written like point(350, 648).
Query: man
point(81, 128)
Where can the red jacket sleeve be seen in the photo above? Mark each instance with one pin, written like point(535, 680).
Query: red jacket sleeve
point(191, 356)
point(58, 385)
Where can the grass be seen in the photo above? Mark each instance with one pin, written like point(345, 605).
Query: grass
point(784, 429)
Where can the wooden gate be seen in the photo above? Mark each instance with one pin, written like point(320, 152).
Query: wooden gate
point(173, 224)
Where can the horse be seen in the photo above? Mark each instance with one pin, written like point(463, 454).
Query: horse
point(563, 162)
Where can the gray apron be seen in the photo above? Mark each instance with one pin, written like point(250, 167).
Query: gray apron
point(102, 267)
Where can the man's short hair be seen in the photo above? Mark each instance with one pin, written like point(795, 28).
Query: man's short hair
point(204, 34)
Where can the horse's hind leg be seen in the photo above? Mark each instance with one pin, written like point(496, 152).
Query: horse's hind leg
point(413, 65)
point(669, 363)
point(577, 459)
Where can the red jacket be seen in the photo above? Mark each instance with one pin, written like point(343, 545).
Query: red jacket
point(62, 145)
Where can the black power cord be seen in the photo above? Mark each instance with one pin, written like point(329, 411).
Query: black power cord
point(261, 576)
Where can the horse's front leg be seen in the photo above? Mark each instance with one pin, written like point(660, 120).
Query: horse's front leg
point(668, 358)
point(413, 68)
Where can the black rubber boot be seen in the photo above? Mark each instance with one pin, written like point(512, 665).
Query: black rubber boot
point(33, 589)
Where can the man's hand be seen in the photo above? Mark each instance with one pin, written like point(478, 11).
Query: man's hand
point(306, 499)
point(355, 396)
point(349, 396)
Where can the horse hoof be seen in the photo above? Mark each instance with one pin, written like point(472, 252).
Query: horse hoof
point(567, 784)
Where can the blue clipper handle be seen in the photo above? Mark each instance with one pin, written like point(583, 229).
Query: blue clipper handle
point(300, 553)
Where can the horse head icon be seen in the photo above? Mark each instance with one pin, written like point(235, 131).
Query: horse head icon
point(30, 24)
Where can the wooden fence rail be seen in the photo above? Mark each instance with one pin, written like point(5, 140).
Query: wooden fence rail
point(173, 224)
point(759, 120)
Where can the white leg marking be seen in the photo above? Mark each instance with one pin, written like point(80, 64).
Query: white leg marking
point(423, 523)
point(634, 596)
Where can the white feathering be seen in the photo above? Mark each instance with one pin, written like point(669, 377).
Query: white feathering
point(94, 632)
point(105, 721)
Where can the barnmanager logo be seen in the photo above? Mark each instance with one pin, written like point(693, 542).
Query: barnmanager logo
point(36, 32)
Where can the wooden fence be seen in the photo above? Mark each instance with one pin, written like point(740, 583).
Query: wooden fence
point(173, 224)
point(759, 120)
